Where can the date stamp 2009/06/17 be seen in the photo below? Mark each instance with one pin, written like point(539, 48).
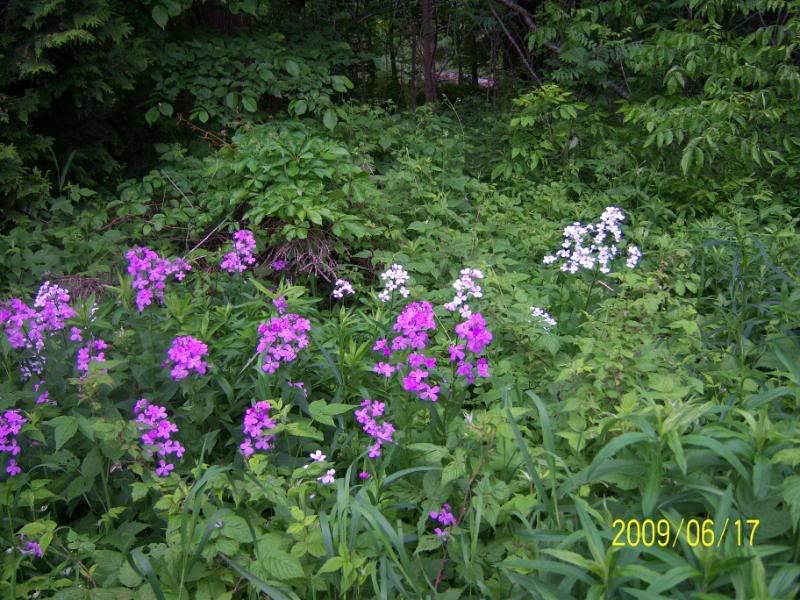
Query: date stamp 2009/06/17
point(707, 533)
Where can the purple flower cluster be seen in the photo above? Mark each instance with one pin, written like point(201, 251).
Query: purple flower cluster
point(279, 265)
point(256, 425)
point(149, 272)
point(476, 337)
point(44, 397)
point(27, 327)
point(187, 354)
point(593, 245)
point(280, 304)
point(395, 278)
point(341, 288)
point(11, 422)
point(281, 339)
point(23, 329)
point(242, 255)
point(93, 351)
point(466, 288)
point(412, 325)
point(444, 517)
point(30, 547)
point(300, 386)
point(380, 432)
point(53, 304)
point(156, 436)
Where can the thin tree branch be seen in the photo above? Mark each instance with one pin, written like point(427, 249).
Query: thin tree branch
point(528, 18)
point(514, 43)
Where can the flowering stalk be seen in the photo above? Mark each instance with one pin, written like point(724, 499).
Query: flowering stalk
point(256, 426)
point(156, 437)
point(187, 354)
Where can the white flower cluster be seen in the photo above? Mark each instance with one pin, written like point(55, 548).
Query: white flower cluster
point(593, 245)
point(343, 287)
point(466, 288)
point(395, 278)
point(544, 317)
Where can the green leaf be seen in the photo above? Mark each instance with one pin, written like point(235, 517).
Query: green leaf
point(329, 118)
point(282, 565)
point(65, 427)
point(322, 412)
point(292, 68)
point(152, 115)
point(160, 15)
point(453, 471)
point(259, 584)
point(304, 429)
point(300, 107)
point(331, 565)
point(165, 108)
point(232, 100)
point(235, 528)
point(249, 103)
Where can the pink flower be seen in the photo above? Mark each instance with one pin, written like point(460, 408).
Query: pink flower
point(328, 478)
point(281, 340)
point(149, 273)
point(444, 517)
point(363, 475)
point(11, 423)
point(187, 354)
point(256, 426)
point(384, 369)
point(280, 304)
point(151, 419)
point(164, 468)
point(91, 352)
point(242, 255)
point(381, 432)
point(12, 468)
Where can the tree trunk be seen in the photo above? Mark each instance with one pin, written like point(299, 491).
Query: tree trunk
point(473, 58)
point(412, 102)
point(428, 49)
point(392, 52)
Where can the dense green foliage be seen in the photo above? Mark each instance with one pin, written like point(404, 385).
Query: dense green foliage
point(669, 391)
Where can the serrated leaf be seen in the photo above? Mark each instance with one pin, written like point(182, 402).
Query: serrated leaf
point(282, 566)
point(453, 471)
point(236, 528)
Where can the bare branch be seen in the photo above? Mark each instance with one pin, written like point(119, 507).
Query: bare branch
point(528, 18)
point(514, 43)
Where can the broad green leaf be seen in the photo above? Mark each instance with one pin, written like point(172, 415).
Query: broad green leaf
point(160, 15)
point(65, 428)
point(329, 118)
